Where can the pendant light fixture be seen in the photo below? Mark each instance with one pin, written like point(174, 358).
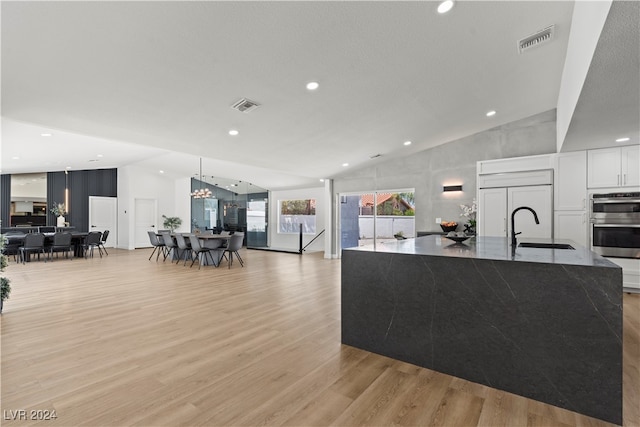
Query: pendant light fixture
point(201, 193)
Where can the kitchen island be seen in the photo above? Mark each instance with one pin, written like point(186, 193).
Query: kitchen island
point(541, 323)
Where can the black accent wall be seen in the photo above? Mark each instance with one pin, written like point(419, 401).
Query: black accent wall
point(5, 200)
point(81, 184)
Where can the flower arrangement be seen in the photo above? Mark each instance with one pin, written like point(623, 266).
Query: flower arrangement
point(58, 209)
point(469, 212)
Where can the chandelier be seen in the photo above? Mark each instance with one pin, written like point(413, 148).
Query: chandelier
point(201, 193)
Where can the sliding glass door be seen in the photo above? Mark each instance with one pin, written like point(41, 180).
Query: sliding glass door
point(376, 218)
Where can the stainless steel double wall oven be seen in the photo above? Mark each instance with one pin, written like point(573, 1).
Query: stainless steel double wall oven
point(615, 224)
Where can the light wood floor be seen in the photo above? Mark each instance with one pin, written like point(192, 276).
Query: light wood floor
point(122, 341)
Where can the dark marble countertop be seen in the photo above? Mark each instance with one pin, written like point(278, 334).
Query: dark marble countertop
point(492, 248)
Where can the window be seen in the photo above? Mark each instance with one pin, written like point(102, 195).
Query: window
point(293, 213)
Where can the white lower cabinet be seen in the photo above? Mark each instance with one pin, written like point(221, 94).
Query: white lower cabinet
point(572, 225)
point(630, 273)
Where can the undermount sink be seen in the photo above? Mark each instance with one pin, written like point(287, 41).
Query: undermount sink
point(546, 245)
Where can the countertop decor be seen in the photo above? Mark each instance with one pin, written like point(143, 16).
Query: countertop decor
point(449, 226)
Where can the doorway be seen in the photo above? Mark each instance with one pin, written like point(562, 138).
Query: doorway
point(376, 217)
point(103, 215)
point(145, 217)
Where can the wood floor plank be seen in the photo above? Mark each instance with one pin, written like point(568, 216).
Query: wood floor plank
point(458, 408)
point(122, 341)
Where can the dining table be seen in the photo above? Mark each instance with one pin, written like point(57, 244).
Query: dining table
point(77, 240)
point(217, 249)
point(207, 241)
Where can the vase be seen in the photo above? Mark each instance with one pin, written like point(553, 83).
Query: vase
point(60, 222)
point(469, 230)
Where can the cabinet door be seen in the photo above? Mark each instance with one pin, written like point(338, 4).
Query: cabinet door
point(604, 168)
point(571, 225)
point(570, 192)
point(492, 212)
point(538, 198)
point(630, 165)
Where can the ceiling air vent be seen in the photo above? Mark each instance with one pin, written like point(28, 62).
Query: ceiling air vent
point(536, 39)
point(245, 105)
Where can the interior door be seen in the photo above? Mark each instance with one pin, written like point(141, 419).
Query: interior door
point(145, 220)
point(103, 215)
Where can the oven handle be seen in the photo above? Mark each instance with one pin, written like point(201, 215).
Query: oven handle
point(628, 225)
point(620, 200)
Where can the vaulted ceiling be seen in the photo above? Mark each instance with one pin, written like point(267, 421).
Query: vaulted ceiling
point(152, 83)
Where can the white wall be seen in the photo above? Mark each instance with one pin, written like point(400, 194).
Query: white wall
point(291, 241)
point(135, 182)
point(451, 163)
point(586, 25)
point(182, 207)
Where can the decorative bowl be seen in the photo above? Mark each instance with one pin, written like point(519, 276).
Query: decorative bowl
point(447, 228)
point(458, 239)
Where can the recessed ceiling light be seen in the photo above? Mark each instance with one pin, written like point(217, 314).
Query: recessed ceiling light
point(313, 85)
point(99, 155)
point(15, 158)
point(445, 6)
point(407, 143)
point(45, 134)
point(161, 171)
point(68, 167)
point(233, 132)
point(321, 179)
point(345, 164)
point(491, 113)
point(625, 139)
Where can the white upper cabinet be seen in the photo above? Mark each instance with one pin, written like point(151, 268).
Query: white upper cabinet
point(570, 181)
point(630, 157)
point(614, 167)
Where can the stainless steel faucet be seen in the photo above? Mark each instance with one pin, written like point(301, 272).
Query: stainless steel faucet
point(514, 242)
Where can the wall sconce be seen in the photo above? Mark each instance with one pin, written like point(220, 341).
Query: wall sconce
point(448, 188)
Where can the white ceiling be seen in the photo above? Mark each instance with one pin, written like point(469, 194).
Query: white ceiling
point(152, 83)
point(609, 104)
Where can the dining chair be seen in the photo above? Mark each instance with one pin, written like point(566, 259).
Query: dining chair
point(169, 244)
point(33, 242)
point(105, 234)
point(185, 248)
point(14, 241)
point(197, 249)
point(92, 241)
point(235, 244)
point(157, 245)
point(61, 243)
point(225, 233)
